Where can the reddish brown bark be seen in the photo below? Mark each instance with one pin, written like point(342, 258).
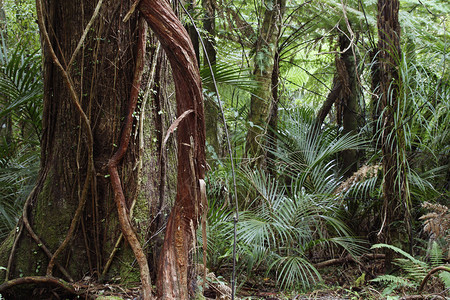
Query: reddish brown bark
point(173, 280)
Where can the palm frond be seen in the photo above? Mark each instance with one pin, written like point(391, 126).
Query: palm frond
point(228, 75)
point(295, 270)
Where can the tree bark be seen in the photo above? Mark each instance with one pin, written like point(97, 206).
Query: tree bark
point(175, 280)
point(209, 25)
point(375, 105)
point(331, 99)
point(101, 75)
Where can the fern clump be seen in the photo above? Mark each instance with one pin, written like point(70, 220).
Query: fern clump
point(414, 272)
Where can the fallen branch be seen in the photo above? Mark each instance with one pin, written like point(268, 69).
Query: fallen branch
point(417, 297)
point(345, 259)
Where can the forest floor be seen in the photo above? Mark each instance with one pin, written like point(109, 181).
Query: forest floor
point(339, 282)
point(349, 281)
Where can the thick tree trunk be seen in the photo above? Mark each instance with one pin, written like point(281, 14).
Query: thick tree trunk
point(86, 96)
point(263, 68)
point(101, 77)
point(389, 58)
point(175, 280)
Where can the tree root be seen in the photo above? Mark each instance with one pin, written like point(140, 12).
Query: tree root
point(36, 238)
point(431, 272)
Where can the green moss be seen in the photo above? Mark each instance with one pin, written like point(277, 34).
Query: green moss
point(124, 267)
point(5, 249)
point(49, 220)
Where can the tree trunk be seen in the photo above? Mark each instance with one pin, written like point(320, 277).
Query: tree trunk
point(332, 97)
point(100, 78)
point(101, 75)
point(2, 17)
point(209, 25)
point(273, 119)
point(175, 277)
point(375, 105)
point(389, 58)
point(263, 67)
point(211, 107)
point(87, 96)
point(348, 107)
point(193, 35)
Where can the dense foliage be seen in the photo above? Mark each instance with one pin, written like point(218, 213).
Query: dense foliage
point(298, 204)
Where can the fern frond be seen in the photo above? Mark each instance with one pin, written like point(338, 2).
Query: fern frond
point(395, 281)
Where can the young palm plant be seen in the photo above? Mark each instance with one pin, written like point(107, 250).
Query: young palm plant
point(288, 226)
point(289, 220)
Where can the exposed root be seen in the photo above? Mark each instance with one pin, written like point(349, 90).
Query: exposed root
point(13, 249)
point(431, 272)
point(37, 239)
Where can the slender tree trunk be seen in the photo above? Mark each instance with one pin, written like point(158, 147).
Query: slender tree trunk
point(2, 17)
point(211, 107)
point(375, 105)
point(273, 119)
point(348, 107)
point(175, 276)
point(332, 97)
point(389, 58)
point(191, 5)
point(209, 25)
point(263, 68)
